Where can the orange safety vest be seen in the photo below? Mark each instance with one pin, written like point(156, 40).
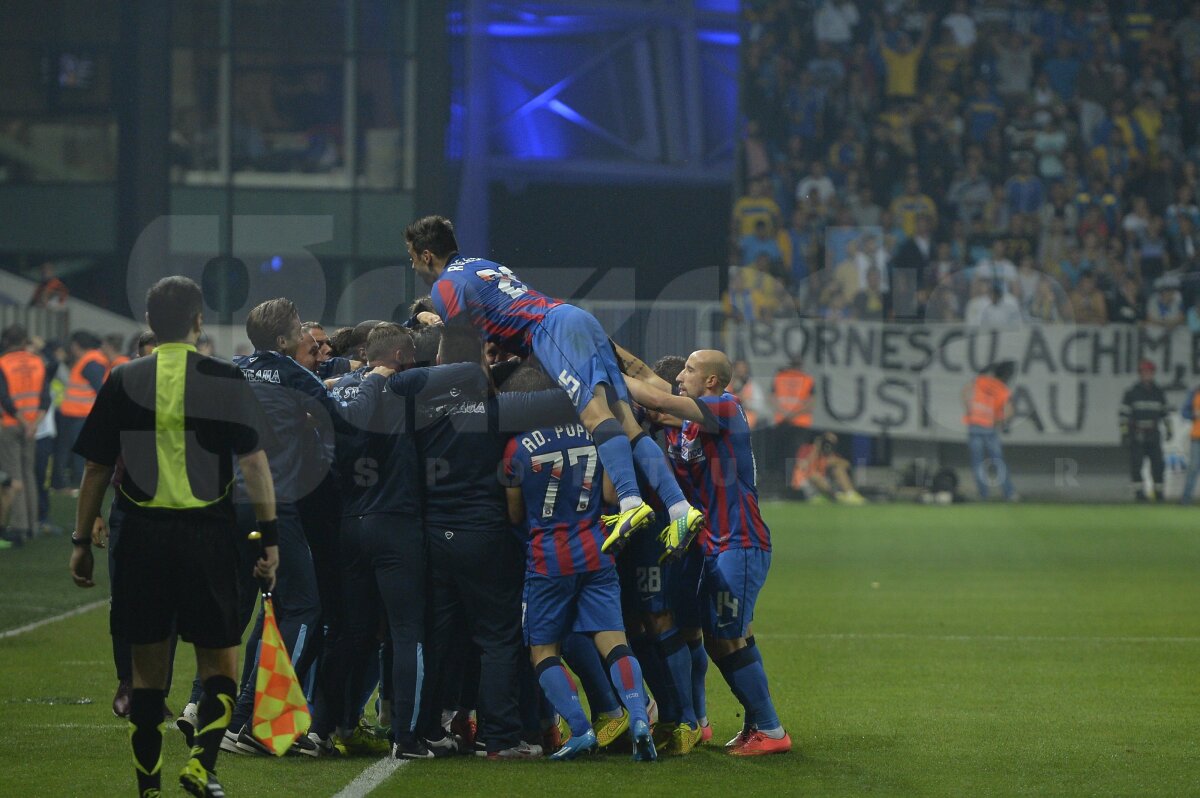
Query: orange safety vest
point(79, 396)
point(746, 396)
point(1195, 415)
point(987, 402)
point(119, 360)
point(26, 376)
point(792, 388)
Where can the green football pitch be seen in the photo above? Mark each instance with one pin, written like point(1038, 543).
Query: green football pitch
point(958, 651)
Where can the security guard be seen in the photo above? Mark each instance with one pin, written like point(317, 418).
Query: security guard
point(177, 420)
point(89, 367)
point(792, 389)
point(24, 397)
point(1143, 408)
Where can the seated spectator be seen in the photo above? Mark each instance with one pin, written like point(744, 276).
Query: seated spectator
point(1054, 242)
point(1138, 218)
point(870, 303)
point(1150, 251)
point(1047, 303)
point(969, 193)
point(1025, 190)
point(1049, 145)
point(846, 274)
point(862, 206)
point(997, 268)
point(992, 306)
point(1029, 277)
point(821, 474)
point(1165, 307)
point(815, 188)
point(1059, 205)
point(996, 214)
point(761, 243)
point(1087, 303)
point(1070, 267)
point(1184, 206)
point(872, 255)
point(982, 113)
point(1126, 305)
point(1185, 246)
point(911, 204)
point(835, 304)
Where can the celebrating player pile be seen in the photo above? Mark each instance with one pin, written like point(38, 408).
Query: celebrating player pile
point(398, 486)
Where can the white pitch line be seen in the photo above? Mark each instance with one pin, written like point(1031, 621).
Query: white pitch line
point(371, 778)
point(973, 638)
point(29, 627)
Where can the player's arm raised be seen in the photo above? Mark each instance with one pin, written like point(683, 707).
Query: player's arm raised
point(633, 366)
point(682, 407)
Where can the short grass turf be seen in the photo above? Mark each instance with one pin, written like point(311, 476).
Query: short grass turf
point(975, 650)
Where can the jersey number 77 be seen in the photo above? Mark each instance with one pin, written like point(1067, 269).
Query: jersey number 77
point(555, 460)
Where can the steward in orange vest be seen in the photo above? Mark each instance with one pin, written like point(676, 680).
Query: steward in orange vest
point(112, 348)
point(793, 389)
point(88, 372)
point(24, 398)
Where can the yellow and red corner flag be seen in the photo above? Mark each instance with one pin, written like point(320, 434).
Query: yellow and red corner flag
point(280, 709)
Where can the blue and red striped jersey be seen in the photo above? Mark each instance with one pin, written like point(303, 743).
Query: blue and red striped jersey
point(719, 464)
point(561, 479)
point(492, 299)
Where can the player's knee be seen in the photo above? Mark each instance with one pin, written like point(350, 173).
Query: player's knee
point(660, 622)
point(615, 654)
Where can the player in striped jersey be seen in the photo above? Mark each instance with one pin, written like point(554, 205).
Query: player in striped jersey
point(713, 450)
point(573, 349)
point(570, 584)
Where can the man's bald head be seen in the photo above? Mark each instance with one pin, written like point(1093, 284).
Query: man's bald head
point(707, 371)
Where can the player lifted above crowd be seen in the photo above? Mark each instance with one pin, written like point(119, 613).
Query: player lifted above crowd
point(574, 350)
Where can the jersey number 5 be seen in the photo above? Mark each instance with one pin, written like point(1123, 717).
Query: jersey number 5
point(555, 461)
point(505, 280)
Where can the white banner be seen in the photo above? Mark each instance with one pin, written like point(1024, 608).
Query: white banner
point(906, 380)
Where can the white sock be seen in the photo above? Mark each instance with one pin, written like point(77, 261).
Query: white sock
point(678, 510)
point(703, 721)
point(774, 734)
point(630, 502)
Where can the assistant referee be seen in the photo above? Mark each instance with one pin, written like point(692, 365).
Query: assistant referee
point(176, 419)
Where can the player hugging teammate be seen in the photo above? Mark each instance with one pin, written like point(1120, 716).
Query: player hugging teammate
point(401, 475)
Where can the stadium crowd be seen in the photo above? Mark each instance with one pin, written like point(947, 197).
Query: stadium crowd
point(991, 162)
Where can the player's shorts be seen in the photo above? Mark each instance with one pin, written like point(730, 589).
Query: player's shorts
point(729, 588)
point(645, 584)
point(176, 573)
point(574, 350)
point(686, 600)
point(552, 606)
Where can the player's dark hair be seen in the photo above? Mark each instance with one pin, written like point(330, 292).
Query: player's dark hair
point(385, 339)
point(270, 321)
point(144, 339)
point(433, 233)
point(427, 341)
point(528, 378)
point(461, 345)
point(669, 366)
point(115, 340)
point(13, 337)
point(1004, 370)
point(340, 341)
point(421, 305)
point(358, 336)
point(172, 305)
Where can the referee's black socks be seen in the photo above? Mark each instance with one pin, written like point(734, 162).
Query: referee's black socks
point(146, 734)
point(213, 716)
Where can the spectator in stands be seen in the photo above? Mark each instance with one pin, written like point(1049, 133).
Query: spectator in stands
point(1046, 306)
point(1025, 190)
point(900, 63)
point(835, 21)
point(1087, 303)
point(1185, 246)
point(992, 306)
point(983, 113)
point(872, 256)
point(762, 242)
point(815, 188)
point(863, 207)
point(997, 267)
point(50, 293)
point(1164, 308)
point(911, 204)
point(755, 207)
point(870, 303)
point(1126, 306)
point(1014, 66)
point(749, 393)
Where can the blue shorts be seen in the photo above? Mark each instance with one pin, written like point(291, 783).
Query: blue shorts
point(685, 589)
point(553, 606)
point(574, 350)
point(729, 589)
point(645, 582)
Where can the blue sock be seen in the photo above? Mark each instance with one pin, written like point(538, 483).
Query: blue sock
point(699, 671)
point(580, 653)
point(723, 665)
point(657, 678)
point(557, 685)
point(678, 659)
point(626, 675)
point(743, 669)
point(653, 464)
point(617, 457)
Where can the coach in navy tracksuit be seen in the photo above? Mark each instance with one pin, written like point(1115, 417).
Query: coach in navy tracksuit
point(298, 408)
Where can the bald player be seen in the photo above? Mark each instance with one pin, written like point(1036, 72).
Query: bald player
point(713, 449)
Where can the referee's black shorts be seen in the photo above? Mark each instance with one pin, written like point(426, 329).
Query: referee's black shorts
point(176, 573)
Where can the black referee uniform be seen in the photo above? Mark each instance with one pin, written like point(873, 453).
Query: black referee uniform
point(177, 419)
